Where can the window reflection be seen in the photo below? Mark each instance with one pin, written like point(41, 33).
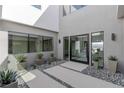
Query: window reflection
point(76, 7)
point(27, 43)
point(35, 43)
point(79, 48)
point(18, 43)
point(47, 43)
point(98, 47)
point(67, 9)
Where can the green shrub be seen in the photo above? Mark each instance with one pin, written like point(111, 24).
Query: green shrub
point(21, 58)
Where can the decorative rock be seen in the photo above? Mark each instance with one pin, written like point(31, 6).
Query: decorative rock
point(104, 74)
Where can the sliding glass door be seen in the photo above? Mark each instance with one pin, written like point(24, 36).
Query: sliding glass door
point(79, 48)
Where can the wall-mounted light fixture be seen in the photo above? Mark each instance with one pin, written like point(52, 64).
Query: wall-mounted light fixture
point(59, 41)
point(113, 37)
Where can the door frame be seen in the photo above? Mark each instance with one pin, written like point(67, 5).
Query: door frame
point(68, 47)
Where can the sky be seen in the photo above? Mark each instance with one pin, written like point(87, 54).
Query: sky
point(26, 14)
point(61, 2)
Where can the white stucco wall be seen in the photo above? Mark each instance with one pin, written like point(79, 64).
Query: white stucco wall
point(3, 46)
point(0, 11)
point(49, 19)
point(92, 19)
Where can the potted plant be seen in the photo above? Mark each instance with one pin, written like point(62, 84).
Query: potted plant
point(8, 79)
point(52, 55)
point(51, 58)
point(112, 63)
point(39, 59)
point(40, 55)
point(96, 60)
point(22, 60)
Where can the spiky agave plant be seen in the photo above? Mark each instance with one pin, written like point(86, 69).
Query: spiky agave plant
point(8, 76)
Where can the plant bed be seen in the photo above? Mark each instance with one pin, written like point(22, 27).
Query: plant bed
point(104, 74)
point(11, 85)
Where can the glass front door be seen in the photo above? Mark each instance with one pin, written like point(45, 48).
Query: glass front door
point(97, 43)
point(79, 50)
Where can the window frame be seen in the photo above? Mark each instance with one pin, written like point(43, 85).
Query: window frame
point(43, 43)
point(11, 34)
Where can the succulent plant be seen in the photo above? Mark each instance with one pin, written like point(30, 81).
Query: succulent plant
point(113, 58)
point(8, 76)
point(21, 58)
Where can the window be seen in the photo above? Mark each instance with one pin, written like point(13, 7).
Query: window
point(18, 43)
point(37, 6)
point(97, 43)
point(26, 43)
point(76, 7)
point(35, 43)
point(66, 10)
point(69, 9)
point(47, 43)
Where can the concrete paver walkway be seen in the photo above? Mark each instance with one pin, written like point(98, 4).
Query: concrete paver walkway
point(78, 80)
point(37, 79)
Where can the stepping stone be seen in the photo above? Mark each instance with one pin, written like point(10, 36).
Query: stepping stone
point(75, 66)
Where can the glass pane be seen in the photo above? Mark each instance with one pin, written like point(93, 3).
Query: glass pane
point(66, 48)
point(47, 43)
point(97, 47)
point(76, 7)
point(10, 44)
point(35, 43)
point(66, 10)
point(79, 48)
point(37, 6)
point(18, 44)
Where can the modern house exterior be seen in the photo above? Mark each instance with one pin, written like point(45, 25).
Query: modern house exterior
point(99, 26)
point(71, 32)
